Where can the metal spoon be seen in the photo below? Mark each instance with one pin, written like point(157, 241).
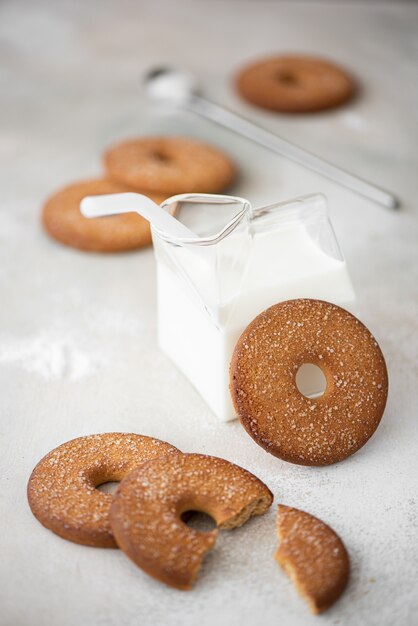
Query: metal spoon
point(179, 88)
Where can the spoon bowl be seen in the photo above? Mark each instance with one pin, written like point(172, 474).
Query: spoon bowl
point(167, 84)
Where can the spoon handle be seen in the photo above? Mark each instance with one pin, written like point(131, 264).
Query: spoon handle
point(240, 125)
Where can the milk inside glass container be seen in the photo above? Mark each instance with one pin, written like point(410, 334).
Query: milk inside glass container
point(241, 261)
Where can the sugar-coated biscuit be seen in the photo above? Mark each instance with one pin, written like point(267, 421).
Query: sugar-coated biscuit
point(62, 219)
point(289, 425)
point(295, 84)
point(314, 557)
point(147, 508)
point(62, 490)
point(169, 165)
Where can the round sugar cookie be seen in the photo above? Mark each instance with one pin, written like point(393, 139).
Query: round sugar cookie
point(62, 490)
point(62, 219)
point(146, 513)
point(169, 165)
point(295, 84)
point(289, 425)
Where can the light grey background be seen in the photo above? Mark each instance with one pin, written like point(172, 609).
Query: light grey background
point(78, 347)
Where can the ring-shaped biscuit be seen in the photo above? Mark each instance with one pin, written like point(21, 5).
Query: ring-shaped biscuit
point(146, 512)
point(169, 165)
point(295, 84)
point(63, 221)
point(289, 425)
point(62, 490)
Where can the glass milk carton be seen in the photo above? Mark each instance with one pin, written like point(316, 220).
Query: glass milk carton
point(241, 261)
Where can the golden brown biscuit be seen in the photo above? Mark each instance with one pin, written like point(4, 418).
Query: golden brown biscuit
point(295, 84)
point(147, 508)
point(266, 359)
point(313, 556)
point(63, 221)
point(169, 165)
point(62, 490)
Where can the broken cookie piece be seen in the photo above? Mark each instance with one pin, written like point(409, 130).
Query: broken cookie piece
point(148, 509)
point(313, 556)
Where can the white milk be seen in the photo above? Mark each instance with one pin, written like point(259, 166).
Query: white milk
point(199, 335)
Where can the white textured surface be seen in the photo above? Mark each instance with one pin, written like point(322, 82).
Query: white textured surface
point(77, 332)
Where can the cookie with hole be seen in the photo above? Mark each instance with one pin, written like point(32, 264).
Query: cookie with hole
point(62, 489)
point(299, 429)
point(63, 221)
point(295, 84)
point(147, 512)
point(169, 165)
